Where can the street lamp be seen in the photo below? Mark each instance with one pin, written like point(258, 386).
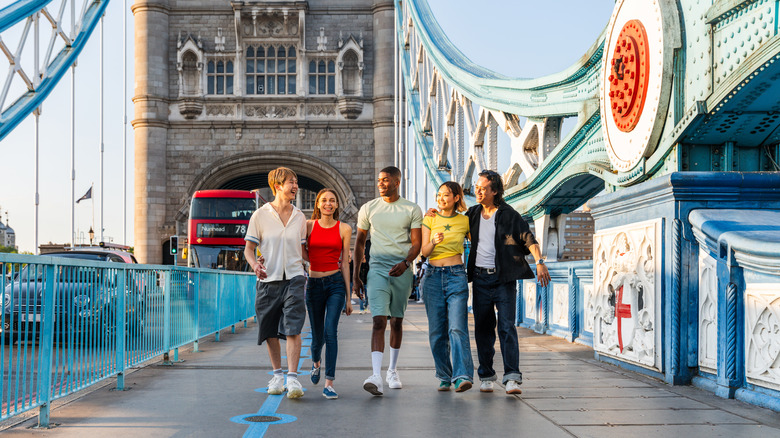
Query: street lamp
point(91, 235)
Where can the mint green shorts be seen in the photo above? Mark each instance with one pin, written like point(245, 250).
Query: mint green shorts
point(388, 296)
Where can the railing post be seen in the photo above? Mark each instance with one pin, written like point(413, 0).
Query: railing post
point(219, 300)
point(167, 314)
point(519, 303)
point(121, 323)
point(46, 346)
point(573, 323)
point(197, 312)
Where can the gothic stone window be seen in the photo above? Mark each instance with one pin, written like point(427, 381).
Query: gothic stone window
point(322, 77)
point(219, 77)
point(270, 70)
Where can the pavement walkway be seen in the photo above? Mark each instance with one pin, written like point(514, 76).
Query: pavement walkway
point(219, 392)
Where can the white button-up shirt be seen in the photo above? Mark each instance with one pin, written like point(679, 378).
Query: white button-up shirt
point(280, 245)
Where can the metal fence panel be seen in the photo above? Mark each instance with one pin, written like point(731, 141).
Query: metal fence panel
point(67, 324)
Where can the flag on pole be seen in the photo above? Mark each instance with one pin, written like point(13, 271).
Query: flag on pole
point(86, 196)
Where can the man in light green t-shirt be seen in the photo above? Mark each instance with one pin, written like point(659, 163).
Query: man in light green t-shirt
point(396, 238)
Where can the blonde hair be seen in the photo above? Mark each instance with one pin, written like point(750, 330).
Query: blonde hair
point(279, 176)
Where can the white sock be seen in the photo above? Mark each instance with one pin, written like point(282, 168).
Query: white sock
point(278, 372)
point(292, 376)
point(376, 361)
point(393, 357)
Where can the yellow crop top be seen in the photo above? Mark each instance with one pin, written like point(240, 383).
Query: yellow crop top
point(455, 229)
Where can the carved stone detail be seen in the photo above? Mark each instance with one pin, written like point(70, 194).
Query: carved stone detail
point(708, 312)
point(626, 298)
point(350, 108)
point(190, 108)
point(270, 111)
point(560, 310)
point(762, 334)
point(589, 311)
point(529, 297)
point(220, 110)
point(321, 110)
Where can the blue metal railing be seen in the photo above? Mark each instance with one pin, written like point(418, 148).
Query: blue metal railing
point(67, 324)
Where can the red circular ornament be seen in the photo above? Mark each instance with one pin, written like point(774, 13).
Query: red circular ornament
point(628, 76)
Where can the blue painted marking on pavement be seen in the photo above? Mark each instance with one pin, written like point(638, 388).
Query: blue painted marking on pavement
point(271, 404)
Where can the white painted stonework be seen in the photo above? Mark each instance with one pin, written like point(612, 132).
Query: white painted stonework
point(560, 308)
point(589, 311)
point(708, 312)
point(529, 299)
point(627, 279)
point(762, 334)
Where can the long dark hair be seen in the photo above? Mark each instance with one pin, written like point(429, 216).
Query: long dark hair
point(316, 214)
point(495, 184)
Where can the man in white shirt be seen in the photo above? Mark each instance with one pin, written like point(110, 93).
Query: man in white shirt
point(279, 228)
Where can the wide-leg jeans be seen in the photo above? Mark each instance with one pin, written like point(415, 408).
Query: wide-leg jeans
point(446, 295)
point(488, 296)
point(325, 299)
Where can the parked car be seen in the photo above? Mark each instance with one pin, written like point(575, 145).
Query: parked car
point(85, 299)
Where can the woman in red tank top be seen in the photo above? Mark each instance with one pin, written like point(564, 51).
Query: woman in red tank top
point(328, 287)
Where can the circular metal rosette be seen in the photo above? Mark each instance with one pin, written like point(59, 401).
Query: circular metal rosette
point(637, 78)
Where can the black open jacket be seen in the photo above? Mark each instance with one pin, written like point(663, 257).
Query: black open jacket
point(513, 238)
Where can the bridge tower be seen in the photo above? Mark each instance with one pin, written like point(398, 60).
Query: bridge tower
point(227, 91)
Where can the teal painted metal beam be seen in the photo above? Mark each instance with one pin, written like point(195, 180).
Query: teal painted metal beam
point(558, 94)
point(565, 169)
point(18, 11)
point(26, 104)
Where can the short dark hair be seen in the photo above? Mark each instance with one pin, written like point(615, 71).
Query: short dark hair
point(392, 171)
point(495, 184)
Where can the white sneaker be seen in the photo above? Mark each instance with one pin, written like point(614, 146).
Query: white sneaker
point(486, 386)
point(276, 385)
point(373, 384)
point(513, 387)
point(294, 389)
point(393, 382)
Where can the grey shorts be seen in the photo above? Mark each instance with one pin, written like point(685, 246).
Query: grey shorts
point(281, 308)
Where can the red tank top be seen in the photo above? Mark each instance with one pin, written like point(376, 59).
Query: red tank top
point(325, 247)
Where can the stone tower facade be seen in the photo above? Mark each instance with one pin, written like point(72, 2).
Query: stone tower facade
point(227, 91)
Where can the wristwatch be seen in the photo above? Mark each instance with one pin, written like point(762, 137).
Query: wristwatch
point(540, 262)
point(407, 262)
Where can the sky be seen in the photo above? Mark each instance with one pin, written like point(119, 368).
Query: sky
point(518, 38)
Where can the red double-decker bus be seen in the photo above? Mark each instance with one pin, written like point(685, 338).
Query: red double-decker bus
point(217, 225)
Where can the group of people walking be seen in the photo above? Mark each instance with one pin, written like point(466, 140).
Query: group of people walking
point(500, 241)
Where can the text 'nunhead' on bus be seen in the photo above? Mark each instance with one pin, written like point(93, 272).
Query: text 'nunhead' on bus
point(217, 226)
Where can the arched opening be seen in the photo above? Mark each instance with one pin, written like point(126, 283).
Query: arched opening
point(307, 188)
point(249, 171)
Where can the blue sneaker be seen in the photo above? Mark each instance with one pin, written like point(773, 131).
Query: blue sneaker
point(315, 374)
point(329, 393)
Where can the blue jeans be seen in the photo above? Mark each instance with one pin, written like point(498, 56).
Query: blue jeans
point(489, 296)
point(325, 299)
point(446, 292)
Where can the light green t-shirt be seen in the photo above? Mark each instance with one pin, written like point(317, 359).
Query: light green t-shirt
point(390, 225)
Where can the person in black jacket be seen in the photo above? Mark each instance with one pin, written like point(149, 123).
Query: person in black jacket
point(500, 240)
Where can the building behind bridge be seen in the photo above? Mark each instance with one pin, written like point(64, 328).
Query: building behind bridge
point(227, 91)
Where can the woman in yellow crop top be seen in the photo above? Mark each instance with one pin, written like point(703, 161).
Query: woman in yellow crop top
point(445, 289)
